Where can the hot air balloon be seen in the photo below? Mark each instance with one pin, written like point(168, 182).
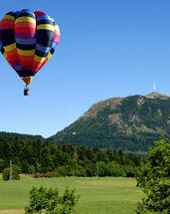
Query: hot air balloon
point(27, 41)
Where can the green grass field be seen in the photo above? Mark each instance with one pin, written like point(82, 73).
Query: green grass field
point(102, 196)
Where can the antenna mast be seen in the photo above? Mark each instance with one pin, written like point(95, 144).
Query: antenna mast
point(154, 87)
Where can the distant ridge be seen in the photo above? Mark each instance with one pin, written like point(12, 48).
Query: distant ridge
point(131, 123)
point(8, 135)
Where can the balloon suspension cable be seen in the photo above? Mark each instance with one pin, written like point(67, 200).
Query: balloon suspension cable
point(26, 91)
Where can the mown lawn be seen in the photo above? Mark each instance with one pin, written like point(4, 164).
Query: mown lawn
point(98, 196)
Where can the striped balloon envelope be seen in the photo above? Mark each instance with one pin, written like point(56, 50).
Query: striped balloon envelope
point(27, 41)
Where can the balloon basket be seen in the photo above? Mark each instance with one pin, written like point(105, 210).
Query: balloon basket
point(26, 91)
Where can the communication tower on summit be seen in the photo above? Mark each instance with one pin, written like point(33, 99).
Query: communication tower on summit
point(154, 87)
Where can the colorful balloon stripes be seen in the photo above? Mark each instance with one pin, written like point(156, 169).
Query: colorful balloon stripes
point(27, 41)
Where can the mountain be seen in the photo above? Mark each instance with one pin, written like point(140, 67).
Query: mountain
point(132, 123)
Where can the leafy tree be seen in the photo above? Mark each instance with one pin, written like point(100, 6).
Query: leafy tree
point(154, 179)
point(48, 201)
point(101, 168)
point(115, 170)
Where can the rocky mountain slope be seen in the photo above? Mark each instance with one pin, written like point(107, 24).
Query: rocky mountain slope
point(132, 123)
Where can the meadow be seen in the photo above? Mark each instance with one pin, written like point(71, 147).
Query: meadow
point(102, 196)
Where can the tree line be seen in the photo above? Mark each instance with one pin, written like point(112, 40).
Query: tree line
point(37, 156)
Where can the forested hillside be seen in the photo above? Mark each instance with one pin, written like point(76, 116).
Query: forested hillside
point(132, 123)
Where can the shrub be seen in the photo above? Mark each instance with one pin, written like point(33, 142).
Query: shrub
point(65, 170)
point(5, 174)
point(16, 173)
point(46, 175)
point(43, 200)
point(31, 169)
point(80, 172)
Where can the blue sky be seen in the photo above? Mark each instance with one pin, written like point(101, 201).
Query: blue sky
point(108, 48)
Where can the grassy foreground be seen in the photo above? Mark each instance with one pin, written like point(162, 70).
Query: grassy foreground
point(102, 196)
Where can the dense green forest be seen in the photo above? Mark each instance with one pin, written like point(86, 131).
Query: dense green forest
point(37, 156)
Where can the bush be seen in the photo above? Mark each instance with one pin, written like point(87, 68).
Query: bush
point(65, 170)
point(43, 200)
point(16, 173)
point(5, 174)
point(46, 175)
point(76, 173)
point(31, 169)
point(80, 172)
